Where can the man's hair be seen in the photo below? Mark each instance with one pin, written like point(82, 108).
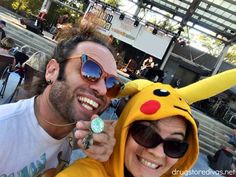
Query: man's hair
point(25, 49)
point(7, 43)
point(77, 34)
point(86, 31)
point(3, 22)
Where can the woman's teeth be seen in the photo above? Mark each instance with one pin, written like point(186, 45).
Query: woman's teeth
point(148, 164)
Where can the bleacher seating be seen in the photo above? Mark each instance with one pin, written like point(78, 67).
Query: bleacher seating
point(211, 133)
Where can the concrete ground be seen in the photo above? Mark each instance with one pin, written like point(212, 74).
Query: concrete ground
point(14, 18)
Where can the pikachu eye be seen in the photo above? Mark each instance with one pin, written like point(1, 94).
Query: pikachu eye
point(161, 92)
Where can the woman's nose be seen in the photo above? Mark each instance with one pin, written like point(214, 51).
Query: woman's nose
point(157, 151)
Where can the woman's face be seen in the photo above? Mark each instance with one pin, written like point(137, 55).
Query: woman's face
point(153, 162)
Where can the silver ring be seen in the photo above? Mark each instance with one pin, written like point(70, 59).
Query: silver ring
point(97, 125)
point(88, 140)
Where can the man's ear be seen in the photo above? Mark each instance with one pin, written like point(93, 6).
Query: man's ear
point(52, 70)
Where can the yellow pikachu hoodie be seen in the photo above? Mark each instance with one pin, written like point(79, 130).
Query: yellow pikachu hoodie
point(154, 101)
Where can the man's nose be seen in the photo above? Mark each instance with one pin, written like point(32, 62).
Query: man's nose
point(100, 87)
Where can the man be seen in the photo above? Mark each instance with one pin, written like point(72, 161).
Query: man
point(21, 56)
point(2, 32)
point(62, 22)
point(34, 132)
point(41, 19)
point(147, 64)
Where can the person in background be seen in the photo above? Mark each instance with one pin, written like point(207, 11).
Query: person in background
point(147, 64)
point(41, 19)
point(37, 61)
point(222, 160)
point(131, 66)
point(71, 91)
point(231, 138)
point(62, 22)
point(21, 56)
point(156, 134)
point(6, 44)
point(63, 19)
point(2, 32)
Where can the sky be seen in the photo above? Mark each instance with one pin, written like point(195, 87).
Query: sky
point(130, 8)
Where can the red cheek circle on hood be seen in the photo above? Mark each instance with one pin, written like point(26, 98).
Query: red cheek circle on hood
point(150, 107)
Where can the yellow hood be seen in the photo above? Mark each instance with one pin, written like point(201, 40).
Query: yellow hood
point(154, 101)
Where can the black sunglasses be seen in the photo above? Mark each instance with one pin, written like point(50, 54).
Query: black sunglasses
point(147, 137)
point(91, 71)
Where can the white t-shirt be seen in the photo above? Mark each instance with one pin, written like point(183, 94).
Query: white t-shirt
point(26, 149)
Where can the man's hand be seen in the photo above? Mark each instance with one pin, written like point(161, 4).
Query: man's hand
point(103, 143)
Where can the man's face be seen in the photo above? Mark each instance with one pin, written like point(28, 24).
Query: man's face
point(75, 98)
point(66, 16)
point(2, 25)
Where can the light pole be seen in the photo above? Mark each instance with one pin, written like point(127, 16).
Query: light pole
point(46, 5)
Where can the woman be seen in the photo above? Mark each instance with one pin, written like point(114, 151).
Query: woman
point(156, 134)
point(5, 45)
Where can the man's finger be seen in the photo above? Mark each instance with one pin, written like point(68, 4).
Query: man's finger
point(83, 125)
point(80, 134)
point(109, 128)
point(114, 123)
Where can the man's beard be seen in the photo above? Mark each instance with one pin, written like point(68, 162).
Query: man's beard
point(62, 98)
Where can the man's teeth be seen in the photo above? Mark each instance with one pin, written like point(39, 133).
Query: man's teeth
point(148, 164)
point(87, 107)
point(88, 103)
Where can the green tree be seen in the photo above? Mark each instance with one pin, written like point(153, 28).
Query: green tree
point(24, 6)
point(57, 9)
point(20, 5)
point(6, 3)
point(28, 6)
point(213, 46)
point(231, 55)
point(34, 6)
point(167, 24)
point(114, 3)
